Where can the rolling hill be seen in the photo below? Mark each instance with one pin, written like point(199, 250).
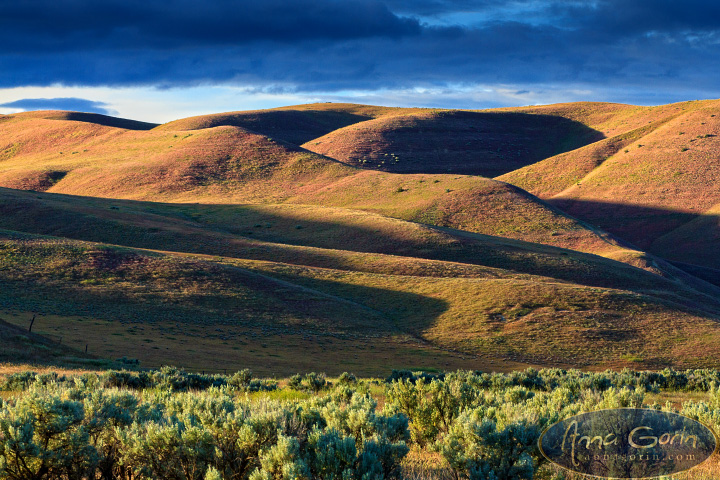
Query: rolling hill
point(21, 346)
point(326, 237)
point(297, 124)
point(464, 142)
point(228, 164)
point(215, 313)
point(656, 186)
point(276, 239)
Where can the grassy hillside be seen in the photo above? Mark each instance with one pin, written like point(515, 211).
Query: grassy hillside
point(441, 141)
point(217, 242)
point(91, 118)
point(660, 192)
point(90, 159)
point(539, 322)
point(357, 281)
point(22, 346)
point(623, 125)
point(297, 124)
point(553, 175)
point(190, 312)
point(611, 119)
point(215, 313)
point(324, 237)
point(655, 186)
point(232, 165)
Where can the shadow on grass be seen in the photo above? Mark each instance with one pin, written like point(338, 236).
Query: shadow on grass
point(258, 233)
point(21, 346)
point(192, 292)
point(104, 120)
point(688, 240)
point(254, 305)
point(710, 275)
point(636, 224)
point(472, 143)
point(293, 126)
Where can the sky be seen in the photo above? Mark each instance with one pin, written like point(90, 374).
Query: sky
point(158, 61)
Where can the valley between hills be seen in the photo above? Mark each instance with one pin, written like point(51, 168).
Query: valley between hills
point(340, 237)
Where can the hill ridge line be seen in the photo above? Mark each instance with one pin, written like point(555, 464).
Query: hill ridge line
point(645, 130)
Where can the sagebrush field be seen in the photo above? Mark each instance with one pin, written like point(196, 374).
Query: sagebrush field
point(169, 424)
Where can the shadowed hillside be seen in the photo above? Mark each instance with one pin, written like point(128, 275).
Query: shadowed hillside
point(440, 141)
point(656, 186)
point(325, 237)
point(660, 192)
point(214, 312)
point(297, 124)
point(232, 165)
point(699, 238)
point(161, 308)
point(21, 346)
point(217, 242)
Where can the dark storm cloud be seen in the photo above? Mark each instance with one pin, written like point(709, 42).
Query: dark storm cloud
point(331, 45)
point(604, 15)
point(643, 16)
point(70, 103)
point(60, 25)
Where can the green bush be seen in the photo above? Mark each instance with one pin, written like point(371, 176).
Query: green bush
point(310, 382)
point(171, 424)
point(480, 449)
point(78, 430)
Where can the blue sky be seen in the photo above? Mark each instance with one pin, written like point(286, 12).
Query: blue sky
point(157, 61)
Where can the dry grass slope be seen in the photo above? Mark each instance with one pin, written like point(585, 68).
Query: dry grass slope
point(441, 141)
point(257, 251)
point(654, 184)
point(212, 312)
point(228, 164)
point(297, 124)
